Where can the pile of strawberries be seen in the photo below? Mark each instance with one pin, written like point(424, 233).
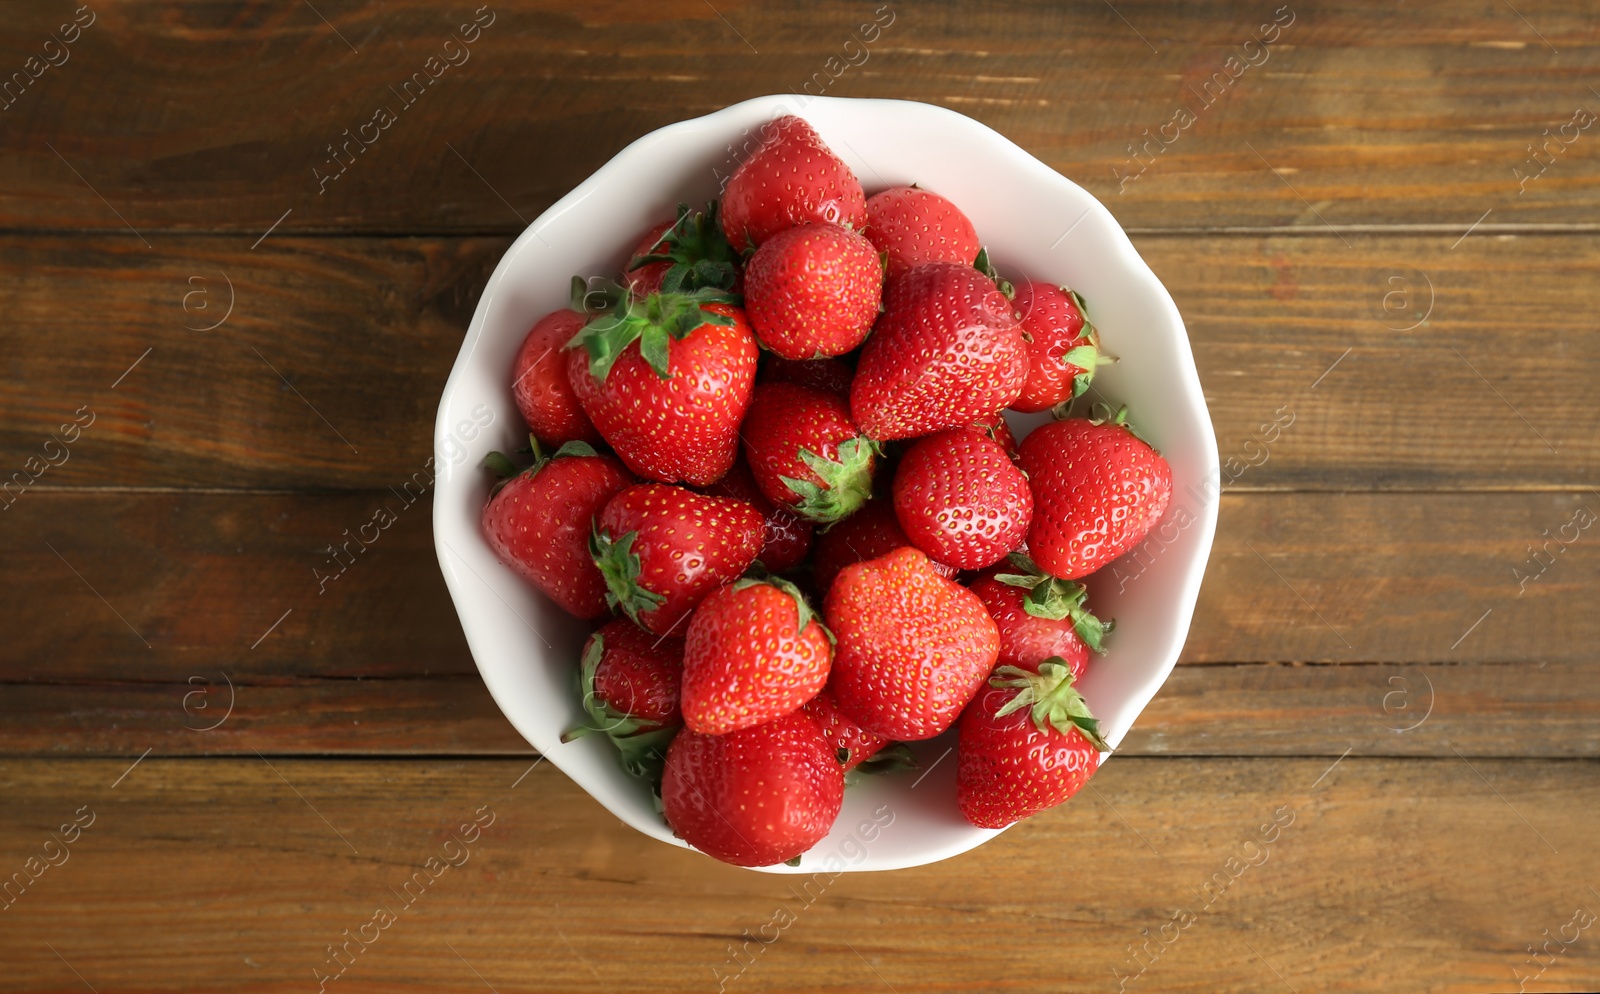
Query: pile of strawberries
point(792, 401)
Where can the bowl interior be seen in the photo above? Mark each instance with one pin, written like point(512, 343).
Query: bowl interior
point(1037, 225)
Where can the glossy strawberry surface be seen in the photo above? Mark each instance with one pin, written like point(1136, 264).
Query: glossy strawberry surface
point(867, 534)
point(639, 674)
point(662, 549)
point(539, 382)
point(792, 178)
point(1011, 766)
point(1056, 333)
point(961, 499)
point(753, 651)
point(1097, 490)
point(946, 351)
point(754, 797)
point(913, 647)
point(1027, 640)
point(852, 743)
point(684, 427)
point(788, 536)
point(806, 452)
point(911, 226)
point(539, 524)
point(813, 291)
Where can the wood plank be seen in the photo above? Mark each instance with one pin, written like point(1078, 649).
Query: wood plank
point(429, 716)
point(1544, 710)
point(165, 586)
point(1421, 587)
point(328, 370)
point(1374, 113)
point(222, 877)
point(1293, 578)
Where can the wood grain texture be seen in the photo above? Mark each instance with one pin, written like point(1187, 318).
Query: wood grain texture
point(327, 372)
point(1393, 645)
point(1529, 710)
point(218, 875)
point(214, 115)
point(1421, 588)
point(1293, 578)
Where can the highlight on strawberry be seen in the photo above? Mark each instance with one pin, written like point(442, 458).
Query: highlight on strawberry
point(786, 495)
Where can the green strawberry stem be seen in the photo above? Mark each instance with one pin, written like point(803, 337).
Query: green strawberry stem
point(503, 468)
point(896, 757)
point(1103, 414)
point(804, 614)
point(642, 745)
point(984, 266)
point(619, 566)
point(846, 481)
point(1087, 357)
point(1052, 700)
point(1053, 598)
point(652, 322)
point(500, 465)
point(593, 300)
point(698, 250)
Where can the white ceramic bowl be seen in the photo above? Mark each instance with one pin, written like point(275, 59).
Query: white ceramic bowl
point(1036, 223)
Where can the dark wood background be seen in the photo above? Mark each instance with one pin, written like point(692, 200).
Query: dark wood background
point(1366, 655)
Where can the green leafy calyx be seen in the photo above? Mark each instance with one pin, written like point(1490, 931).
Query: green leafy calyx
point(984, 266)
point(698, 250)
point(1051, 699)
point(502, 466)
point(1101, 414)
point(1088, 356)
point(1053, 598)
point(804, 614)
point(653, 322)
point(619, 566)
point(641, 745)
point(846, 481)
point(593, 298)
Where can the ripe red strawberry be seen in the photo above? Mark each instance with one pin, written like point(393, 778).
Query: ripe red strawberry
point(1026, 743)
point(913, 647)
point(754, 652)
point(630, 682)
point(684, 255)
point(792, 179)
point(1097, 490)
point(644, 278)
point(539, 381)
point(662, 549)
point(869, 533)
point(827, 375)
point(754, 797)
point(946, 351)
point(813, 291)
point(911, 226)
point(538, 522)
point(996, 429)
point(1039, 616)
point(788, 536)
point(850, 742)
point(1063, 347)
point(805, 452)
point(961, 499)
point(666, 382)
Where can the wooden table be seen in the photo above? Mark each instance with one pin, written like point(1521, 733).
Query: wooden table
point(217, 359)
